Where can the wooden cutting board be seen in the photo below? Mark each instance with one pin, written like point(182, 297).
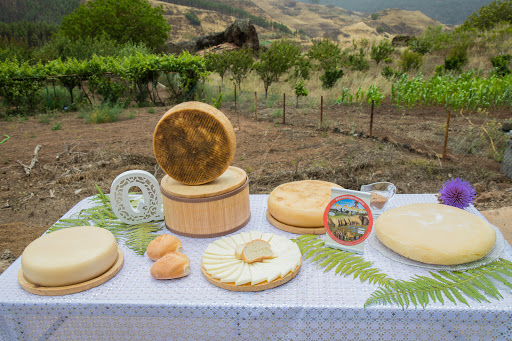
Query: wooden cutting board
point(194, 143)
point(250, 288)
point(73, 288)
point(294, 229)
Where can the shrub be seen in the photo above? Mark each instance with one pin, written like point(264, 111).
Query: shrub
point(102, 114)
point(410, 60)
point(330, 77)
point(500, 64)
point(456, 59)
point(358, 62)
point(109, 90)
point(388, 73)
point(381, 51)
point(380, 29)
point(193, 19)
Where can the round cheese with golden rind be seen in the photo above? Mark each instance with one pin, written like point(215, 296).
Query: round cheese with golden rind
point(435, 234)
point(301, 203)
point(194, 143)
point(69, 256)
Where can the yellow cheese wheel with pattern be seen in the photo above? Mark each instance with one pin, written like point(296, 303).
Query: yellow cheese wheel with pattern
point(301, 203)
point(194, 143)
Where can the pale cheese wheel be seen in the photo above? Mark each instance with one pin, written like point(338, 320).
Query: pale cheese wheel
point(435, 234)
point(69, 256)
point(301, 203)
point(194, 143)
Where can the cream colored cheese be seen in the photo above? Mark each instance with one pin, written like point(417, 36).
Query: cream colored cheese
point(286, 258)
point(435, 234)
point(69, 256)
point(301, 203)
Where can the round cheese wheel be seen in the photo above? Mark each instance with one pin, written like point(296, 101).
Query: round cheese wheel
point(194, 143)
point(69, 256)
point(435, 234)
point(301, 203)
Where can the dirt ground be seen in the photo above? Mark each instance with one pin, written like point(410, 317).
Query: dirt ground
point(75, 158)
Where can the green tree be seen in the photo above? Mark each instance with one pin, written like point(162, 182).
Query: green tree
point(300, 90)
point(329, 58)
point(120, 20)
point(240, 64)
point(489, 15)
point(381, 51)
point(410, 60)
point(218, 63)
point(276, 61)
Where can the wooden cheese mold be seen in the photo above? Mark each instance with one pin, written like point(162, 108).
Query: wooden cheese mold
point(214, 209)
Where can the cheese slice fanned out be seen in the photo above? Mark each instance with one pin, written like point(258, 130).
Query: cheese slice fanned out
point(217, 250)
point(223, 244)
point(282, 256)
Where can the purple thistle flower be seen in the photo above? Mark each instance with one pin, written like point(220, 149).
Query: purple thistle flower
point(457, 192)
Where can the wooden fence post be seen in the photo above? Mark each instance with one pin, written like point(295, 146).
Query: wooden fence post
point(255, 106)
point(446, 134)
point(321, 109)
point(284, 108)
point(371, 119)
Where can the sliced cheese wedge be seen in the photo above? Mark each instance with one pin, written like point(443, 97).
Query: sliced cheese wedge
point(234, 276)
point(230, 241)
point(209, 267)
point(267, 236)
point(255, 235)
point(246, 236)
point(237, 238)
point(217, 250)
point(226, 273)
point(245, 276)
point(223, 244)
point(226, 257)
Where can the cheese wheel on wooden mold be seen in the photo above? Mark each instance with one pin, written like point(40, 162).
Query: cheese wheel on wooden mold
point(194, 143)
point(301, 203)
point(69, 256)
point(435, 234)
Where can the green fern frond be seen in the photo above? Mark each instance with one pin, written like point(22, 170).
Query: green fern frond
point(344, 263)
point(456, 286)
point(140, 235)
point(137, 237)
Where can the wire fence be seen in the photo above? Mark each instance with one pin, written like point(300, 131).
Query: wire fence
point(431, 131)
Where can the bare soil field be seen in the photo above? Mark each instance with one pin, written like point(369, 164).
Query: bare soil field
point(75, 158)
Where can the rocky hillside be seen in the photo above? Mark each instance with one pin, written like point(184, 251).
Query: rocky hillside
point(313, 21)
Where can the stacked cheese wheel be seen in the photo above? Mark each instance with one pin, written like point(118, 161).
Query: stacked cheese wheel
point(220, 262)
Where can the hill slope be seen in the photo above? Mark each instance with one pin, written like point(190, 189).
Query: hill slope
point(452, 12)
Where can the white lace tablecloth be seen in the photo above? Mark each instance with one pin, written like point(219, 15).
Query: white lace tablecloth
point(314, 305)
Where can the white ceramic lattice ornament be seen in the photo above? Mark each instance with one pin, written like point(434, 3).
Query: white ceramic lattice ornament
point(149, 208)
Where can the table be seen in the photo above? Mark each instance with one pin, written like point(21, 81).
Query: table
point(314, 305)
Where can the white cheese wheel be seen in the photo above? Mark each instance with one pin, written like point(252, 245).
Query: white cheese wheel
point(435, 234)
point(301, 203)
point(69, 256)
point(285, 259)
